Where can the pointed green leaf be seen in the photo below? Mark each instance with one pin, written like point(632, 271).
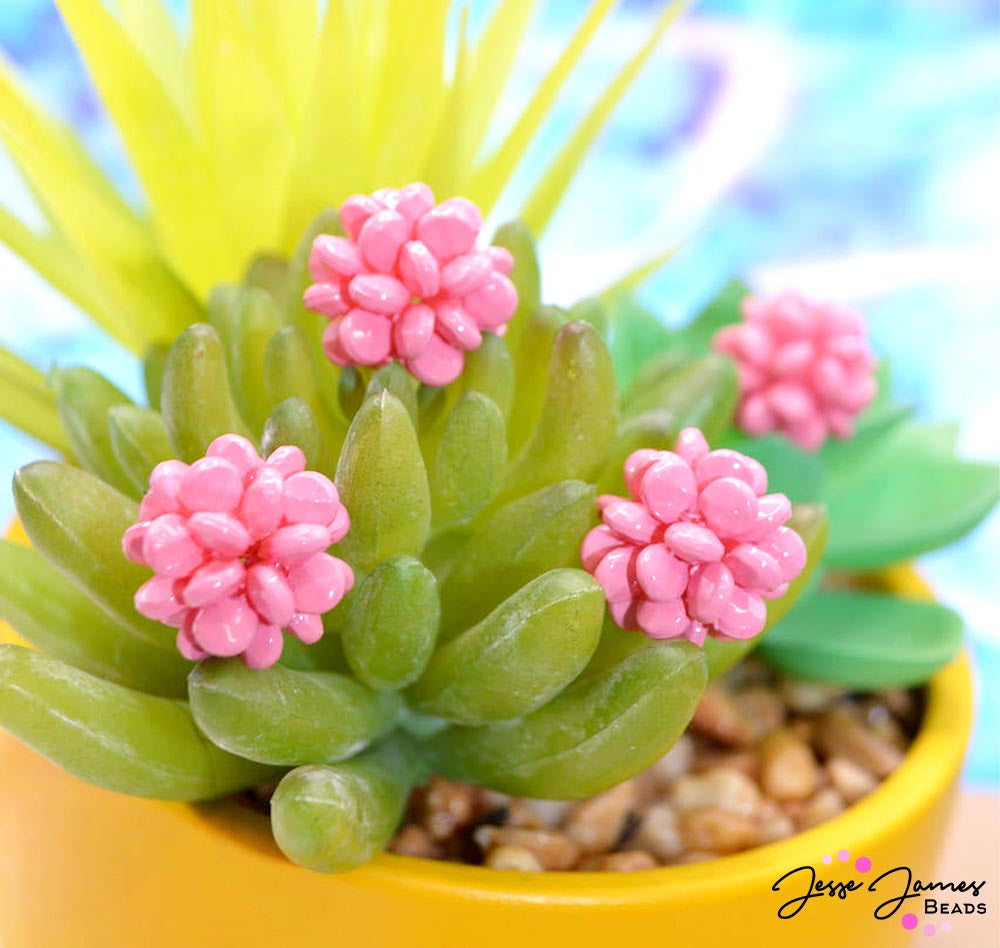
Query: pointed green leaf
point(256, 321)
point(139, 440)
point(526, 276)
point(292, 422)
point(489, 370)
point(152, 373)
point(531, 366)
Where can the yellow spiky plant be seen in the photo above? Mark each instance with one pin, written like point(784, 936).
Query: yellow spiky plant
point(241, 133)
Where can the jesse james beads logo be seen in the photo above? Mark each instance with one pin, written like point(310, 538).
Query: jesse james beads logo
point(897, 894)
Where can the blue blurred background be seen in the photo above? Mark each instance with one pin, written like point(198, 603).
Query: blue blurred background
point(849, 150)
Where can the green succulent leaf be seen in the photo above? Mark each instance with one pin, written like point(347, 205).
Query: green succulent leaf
point(392, 624)
point(603, 729)
point(383, 483)
point(520, 541)
point(54, 616)
point(278, 715)
point(196, 402)
point(522, 654)
point(139, 441)
point(636, 337)
point(334, 818)
point(111, 736)
point(84, 398)
point(292, 422)
point(531, 366)
point(864, 640)
point(723, 310)
point(911, 498)
point(578, 417)
point(255, 323)
point(643, 392)
point(76, 522)
point(471, 460)
point(395, 379)
point(152, 373)
point(269, 273)
point(810, 522)
point(800, 475)
point(489, 370)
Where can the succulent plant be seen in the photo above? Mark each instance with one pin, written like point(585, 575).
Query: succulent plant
point(472, 643)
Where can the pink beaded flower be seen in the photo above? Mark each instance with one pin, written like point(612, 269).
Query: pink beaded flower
point(699, 547)
point(238, 545)
point(408, 283)
point(805, 369)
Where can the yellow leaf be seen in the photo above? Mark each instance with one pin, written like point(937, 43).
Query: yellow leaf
point(490, 177)
point(496, 50)
point(548, 192)
point(172, 166)
point(28, 403)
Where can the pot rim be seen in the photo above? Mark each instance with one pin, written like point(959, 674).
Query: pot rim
point(929, 767)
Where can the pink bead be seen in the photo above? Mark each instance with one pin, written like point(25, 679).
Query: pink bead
point(378, 293)
point(492, 303)
point(636, 465)
point(366, 337)
point(220, 534)
point(263, 503)
point(414, 200)
point(709, 591)
point(287, 460)
point(336, 254)
point(631, 521)
point(728, 505)
point(317, 584)
point(772, 511)
point(668, 488)
point(660, 574)
point(169, 548)
point(307, 627)
point(270, 595)
point(693, 542)
point(332, 345)
point(596, 543)
point(463, 274)
point(753, 568)
point(132, 543)
point(218, 579)
point(696, 633)
point(456, 327)
point(211, 484)
point(663, 620)
point(726, 463)
point(354, 212)
point(310, 498)
point(381, 238)
point(413, 331)
point(237, 450)
point(265, 648)
point(157, 599)
point(225, 628)
point(786, 546)
point(616, 574)
point(624, 613)
point(326, 298)
point(502, 258)
point(418, 269)
point(805, 369)
point(340, 524)
point(439, 364)
point(187, 646)
point(743, 617)
point(295, 543)
point(165, 484)
point(450, 228)
point(691, 445)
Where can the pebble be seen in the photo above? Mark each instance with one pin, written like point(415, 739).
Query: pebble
point(675, 763)
point(448, 806)
point(515, 858)
point(843, 734)
point(825, 805)
point(718, 717)
point(810, 697)
point(849, 780)
point(718, 830)
point(788, 767)
point(723, 788)
point(413, 840)
point(631, 861)
point(659, 832)
point(596, 824)
point(551, 849)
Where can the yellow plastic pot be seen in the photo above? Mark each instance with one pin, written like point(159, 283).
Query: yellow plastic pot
point(83, 867)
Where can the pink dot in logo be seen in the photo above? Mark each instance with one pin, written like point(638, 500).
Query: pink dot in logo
point(929, 929)
point(827, 859)
point(863, 864)
point(843, 855)
point(909, 921)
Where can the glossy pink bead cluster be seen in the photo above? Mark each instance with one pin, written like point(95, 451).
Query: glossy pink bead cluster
point(238, 545)
point(805, 369)
point(698, 548)
point(408, 283)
